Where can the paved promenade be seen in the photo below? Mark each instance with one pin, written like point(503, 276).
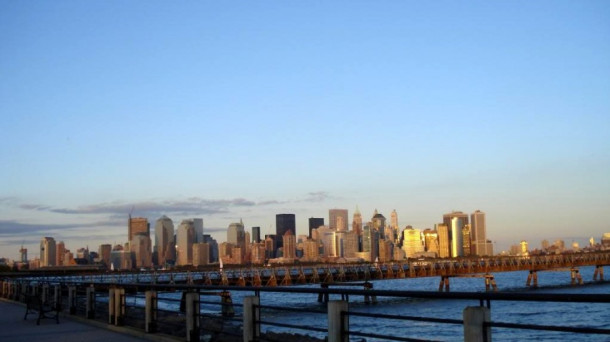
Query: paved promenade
point(14, 328)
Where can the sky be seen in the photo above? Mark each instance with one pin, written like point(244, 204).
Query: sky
point(244, 110)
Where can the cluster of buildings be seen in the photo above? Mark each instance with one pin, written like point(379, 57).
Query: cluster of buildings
point(370, 240)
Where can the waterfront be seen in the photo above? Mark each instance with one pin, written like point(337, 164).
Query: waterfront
point(542, 313)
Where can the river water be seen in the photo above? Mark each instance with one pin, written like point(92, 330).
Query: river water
point(543, 313)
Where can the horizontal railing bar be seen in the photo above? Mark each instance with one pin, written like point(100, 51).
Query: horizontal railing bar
point(578, 330)
point(386, 337)
point(280, 308)
point(285, 325)
point(408, 318)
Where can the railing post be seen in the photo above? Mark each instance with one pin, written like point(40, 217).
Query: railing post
point(192, 316)
point(45, 293)
point(90, 302)
point(475, 318)
point(252, 329)
point(119, 306)
point(24, 289)
point(337, 324)
point(72, 299)
point(57, 296)
point(151, 311)
point(111, 304)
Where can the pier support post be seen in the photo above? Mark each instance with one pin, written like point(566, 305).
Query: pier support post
point(111, 305)
point(57, 296)
point(150, 324)
point(474, 324)
point(252, 329)
point(338, 323)
point(599, 271)
point(192, 316)
point(227, 304)
point(119, 306)
point(90, 312)
point(323, 297)
point(444, 283)
point(72, 299)
point(45, 293)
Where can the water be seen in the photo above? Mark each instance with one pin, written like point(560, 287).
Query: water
point(542, 313)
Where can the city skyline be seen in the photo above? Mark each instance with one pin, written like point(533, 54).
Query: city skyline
point(246, 110)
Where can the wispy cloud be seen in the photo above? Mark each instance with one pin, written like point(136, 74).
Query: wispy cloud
point(318, 196)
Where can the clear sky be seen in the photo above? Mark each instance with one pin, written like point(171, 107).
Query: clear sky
point(246, 109)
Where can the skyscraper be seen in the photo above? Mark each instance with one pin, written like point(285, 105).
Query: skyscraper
point(289, 242)
point(314, 223)
point(141, 248)
point(444, 247)
point(48, 254)
point(481, 246)
point(456, 221)
point(185, 237)
point(236, 234)
point(378, 221)
point(284, 223)
point(198, 224)
point(165, 245)
point(357, 222)
point(337, 219)
point(256, 234)
point(137, 225)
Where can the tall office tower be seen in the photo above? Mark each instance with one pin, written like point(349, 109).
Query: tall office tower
point(137, 225)
point(256, 234)
point(236, 234)
point(394, 225)
point(247, 247)
point(478, 233)
point(201, 254)
point(289, 245)
point(431, 241)
point(269, 246)
point(456, 221)
point(379, 224)
point(213, 246)
point(337, 219)
point(314, 223)
point(386, 250)
point(258, 253)
point(444, 247)
point(370, 241)
point(47, 252)
point(311, 250)
point(165, 246)
point(60, 250)
point(284, 223)
point(357, 222)
point(524, 249)
point(198, 223)
point(141, 247)
point(350, 244)
point(412, 242)
point(544, 244)
point(104, 254)
point(466, 240)
point(326, 237)
point(185, 237)
point(23, 254)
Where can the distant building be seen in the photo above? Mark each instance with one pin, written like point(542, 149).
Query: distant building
point(378, 224)
point(256, 234)
point(311, 251)
point(23, 255)
point(412, 242)
point(315, 223)
point(141, 247)
point(137, 225)
point(466, 243)
point(201, 254)
point(198, 224)
point(236, 234)
point(165, 246)
point(284, 223)
point(289, 245)
point(444, 247)
point(431, 241)
point(104, 254)
point(60, 250)
point(337, 219)
point(357, 222)
point(606, 240)
point(213, 247)
point(370, 242)
point(48, 254)
point(480, 244)
point(185, 237)
point(455, 222)
point(524, 248)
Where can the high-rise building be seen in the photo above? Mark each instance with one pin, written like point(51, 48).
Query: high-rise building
point(456, 221)
point(412, 242)
point(60, 250)
point(337, 219)
point(201, 254)
point(311, 250)
point(478, 233)
point(256, 234)
point(466, 243)
point(236, 234)
point(23, 254)
point(48, 255)
point(137, 225)
point(386, 250)
point(370, 241)
point(198, 224)
point(141, 248)
point(185, 237)
point(165, 246)
point(357, 222)
point(431, 241)
point(289, 245)
point(213, 247)
point(104, 254)
point(284, 223)
point(378, 224)
point(392, 231)
point(315, 223)
point(444, 247)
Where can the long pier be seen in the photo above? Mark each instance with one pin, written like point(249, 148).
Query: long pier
point(286, 275)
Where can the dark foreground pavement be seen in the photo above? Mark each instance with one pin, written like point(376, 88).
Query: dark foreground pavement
point(14, 328)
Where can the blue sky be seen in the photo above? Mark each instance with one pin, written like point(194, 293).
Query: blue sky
point(248, 109)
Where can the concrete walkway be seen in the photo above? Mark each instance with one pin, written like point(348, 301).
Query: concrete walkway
point(14, 328)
